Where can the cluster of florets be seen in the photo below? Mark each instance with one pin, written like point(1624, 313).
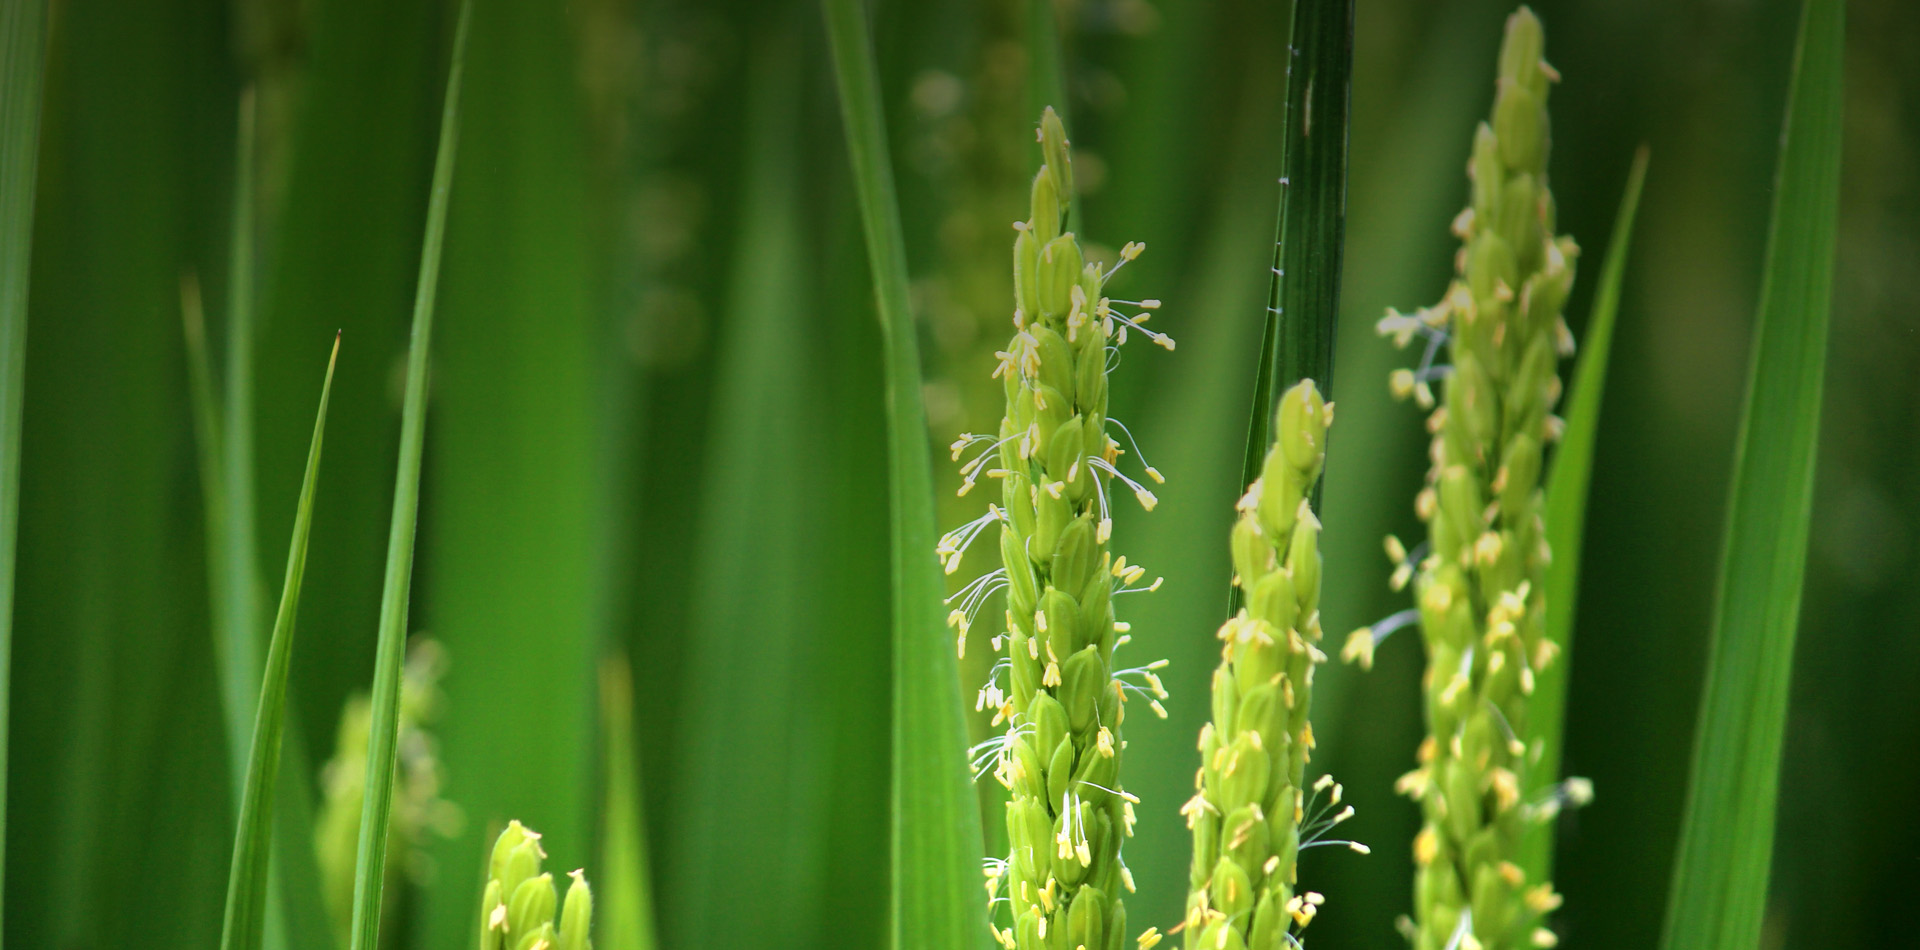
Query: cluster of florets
point(1054, 687)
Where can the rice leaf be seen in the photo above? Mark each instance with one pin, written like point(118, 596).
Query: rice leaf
point(23, 44)
point(1720, 874)
point(626, 888)
point(1311, 227)
point(246, 912)
point(1567, 513)
point(752, 723)
point(237, 606)
point(936, 844)
point(371, 855)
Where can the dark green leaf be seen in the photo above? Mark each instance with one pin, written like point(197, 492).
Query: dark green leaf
point(1567, 515)
point(23, 43)
point(1303, 294)
point(937, 845)
point(1726, 841)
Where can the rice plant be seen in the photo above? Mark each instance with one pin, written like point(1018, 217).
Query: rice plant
point(630, 524)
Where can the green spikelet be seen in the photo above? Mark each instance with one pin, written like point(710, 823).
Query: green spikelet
point(1479, 587)
point(1060, 698)
point(519, 903)
point(1252, 811)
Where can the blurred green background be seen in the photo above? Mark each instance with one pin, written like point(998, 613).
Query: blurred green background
point(656, 433)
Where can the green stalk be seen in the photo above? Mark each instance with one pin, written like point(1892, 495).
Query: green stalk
point(1720, 875)
point(23, 48)
point(371, 855)
point(246, 911)
point(935, 824)
point(1567, 512)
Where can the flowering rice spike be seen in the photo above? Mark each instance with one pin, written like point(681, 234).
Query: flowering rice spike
point(1479, 589)
point(1061, 700)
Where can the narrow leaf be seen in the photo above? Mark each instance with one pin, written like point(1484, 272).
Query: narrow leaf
point(237, 609)
point(626, 887)
point(383, 739)
point(1726, 838)
point(936, 845)
point(1567, 515)
point(23, 46)
point(1303, 292)
point(246, 913)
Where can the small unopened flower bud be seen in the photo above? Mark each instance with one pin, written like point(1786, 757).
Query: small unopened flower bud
point(576, 917)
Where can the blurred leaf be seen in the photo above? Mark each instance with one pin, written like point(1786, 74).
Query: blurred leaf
point(626, 889)
point(23, 46)
point(245, 927)
point(382, 753)
point(937, 843)
point(115, 712)
point(1720, 877)
point(233, 549)
point(753, 720)
point(1310, 232)
point(1567, 517)
point(515, 559)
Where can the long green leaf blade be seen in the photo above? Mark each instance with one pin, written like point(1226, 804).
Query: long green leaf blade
point(1567, 514)
point(936, 824)
point(1303, 293)
point(371, 854)
point(246, 913)
point(626, 887)
point(23, 46)
point(1726, 840)
point(237, 609)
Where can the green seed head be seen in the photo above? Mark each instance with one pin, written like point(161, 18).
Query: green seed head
point(1247, 818)
point(518, 904)
point(1479, 591)
point(1058, 693)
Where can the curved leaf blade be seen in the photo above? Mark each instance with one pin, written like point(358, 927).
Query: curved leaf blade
point(1720, 874)
point(246, 911)
point(23, 46)
point(1567, 514)
point(936, 843)
point(371, 853)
